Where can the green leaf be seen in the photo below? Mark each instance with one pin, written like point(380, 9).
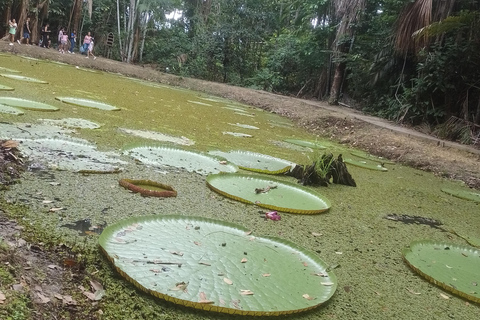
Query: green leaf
point(5, 88)
point(366, 165)
point(188, 160)
point(88, 103)
point(10, 110)
point(268, 193)
point(256, 161)
point(463, 194)
point(370, 157)
point(8, 70)
point(197, 262)
point(454, 268)
point(27, 104)
point(22, 78)
point(306, 143)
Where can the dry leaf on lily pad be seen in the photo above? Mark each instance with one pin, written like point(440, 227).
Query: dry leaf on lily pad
point(306, 296)
point(243, 260)
point(216, 270)
point(246, 292)
point(203, 299)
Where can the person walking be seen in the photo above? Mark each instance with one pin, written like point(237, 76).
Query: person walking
point(86, 42)
point(12, 29)
point(73, 41)
point(26, 32)
point(90, 50)
point(46, 36)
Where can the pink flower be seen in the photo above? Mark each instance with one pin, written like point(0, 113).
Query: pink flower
point(272, 215)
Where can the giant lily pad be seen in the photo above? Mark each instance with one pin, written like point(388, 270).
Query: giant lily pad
point(6, 88)
point(188, 160)
point(10, 110)
point(370, 157)
point(463, 194)
point(88, 103)
point(27, 104)
point(217, 266)
point(306, 143)
point(255, 161)
point(75, 155)
point(454, 268)
point(8, 70)
point(22, 78)
point(159, 136)
point(366, 165)
point(268, 193)
point(72, 123)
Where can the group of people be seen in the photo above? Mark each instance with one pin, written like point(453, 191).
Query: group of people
point(46, 42)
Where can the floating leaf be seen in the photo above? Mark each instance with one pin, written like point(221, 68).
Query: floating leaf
point(285, 197)
point(162, 233)
point(188, 160)
point(26, 104)
point(246, 292)
point(5, 88)
point(148, 188)
point(370, 157)
point(306, 143)
point(366, 165)
point(256, 161)
point(87, 103)
point(463, 194)
point(22, 78)
point(430, 259)
point(306, 296)
point(10, 110)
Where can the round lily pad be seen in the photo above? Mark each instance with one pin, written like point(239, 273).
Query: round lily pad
point(370, 157)
point(188, 160)
point(6, 88)
point(256, 161)
point(8, 70)
point(22, 78)
point(463, 194)
point(238, 134)
point(88, 103)
point(454, 268)
point(27, 104)
point(72, 123)
point(148, 188)
point(10, 110)
point(217, 266)
point(366, 165)
point(306, 143)
point(268, 193)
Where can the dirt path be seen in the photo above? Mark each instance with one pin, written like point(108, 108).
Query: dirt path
point(348, 126)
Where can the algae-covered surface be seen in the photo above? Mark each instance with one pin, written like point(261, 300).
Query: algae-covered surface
point(363, 248)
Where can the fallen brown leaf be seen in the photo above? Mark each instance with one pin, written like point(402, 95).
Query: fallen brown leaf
point(315, 234)
point(413, 292)
point(55, 209)
point(266, 275)
point(203, 299)
point(227, 281)
point(244, 260)
point(246, 292)
point(306, 296)
point(444, 296)
point(10, 144)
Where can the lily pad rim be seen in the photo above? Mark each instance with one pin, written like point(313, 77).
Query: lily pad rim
point(110, 229)
point(327, 202)
point(430, 278)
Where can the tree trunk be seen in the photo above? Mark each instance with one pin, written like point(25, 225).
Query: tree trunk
point(336, 89)
point(122, 51)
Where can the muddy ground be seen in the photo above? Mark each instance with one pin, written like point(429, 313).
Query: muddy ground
point(345, 125)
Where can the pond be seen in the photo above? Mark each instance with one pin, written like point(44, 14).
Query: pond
point(355, 237)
